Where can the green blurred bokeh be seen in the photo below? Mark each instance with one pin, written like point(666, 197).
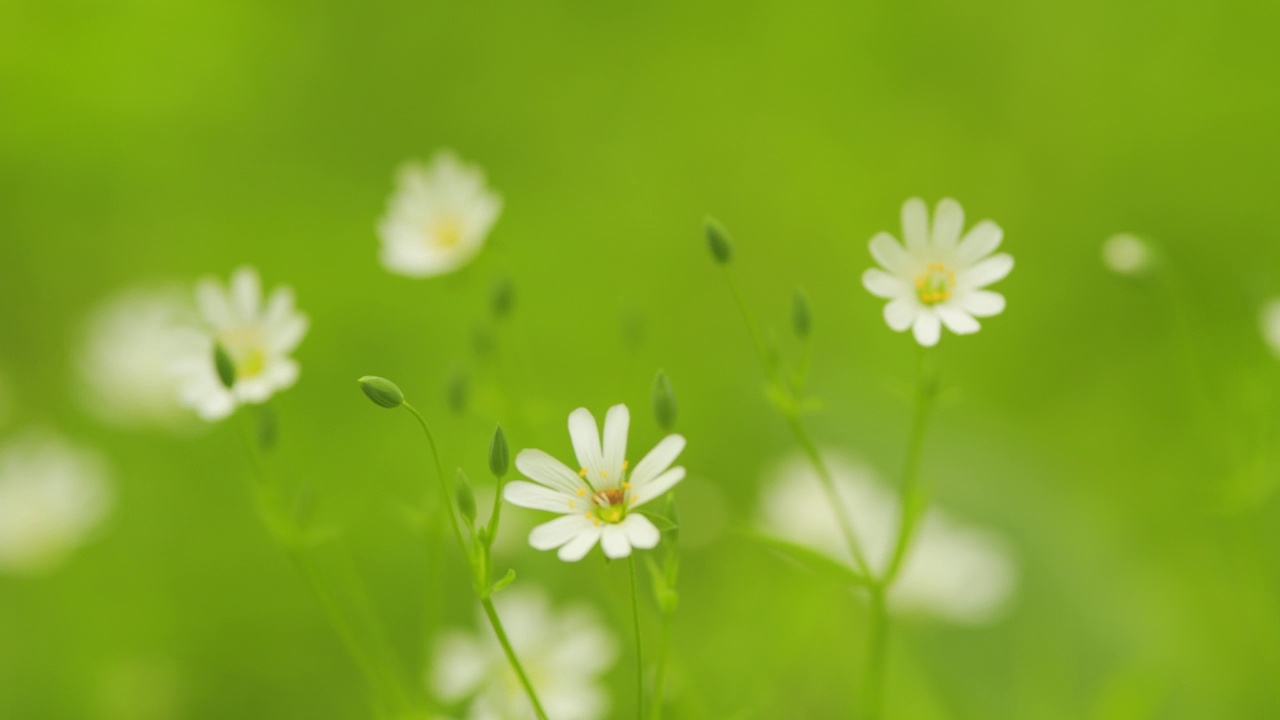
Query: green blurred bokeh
point(143, 141)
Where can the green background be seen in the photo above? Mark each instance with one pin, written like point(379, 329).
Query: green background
point(1115, 431)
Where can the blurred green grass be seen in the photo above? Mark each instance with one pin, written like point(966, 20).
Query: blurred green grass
point(142, 140)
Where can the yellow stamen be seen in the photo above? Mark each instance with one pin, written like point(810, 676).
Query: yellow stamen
point(582, 473)
point(626, 464)
point(582, 491)
point(615, 516)
point(626, 485)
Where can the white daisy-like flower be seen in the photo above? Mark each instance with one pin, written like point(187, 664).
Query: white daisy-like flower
point(1126, 254)
point(565, 654)
point(1270, 324)
point(599, 502)
point(126, 362)
point(52, 496)
point(438, 218)
point(939, 277)
point(952, 571)
point(258, 336)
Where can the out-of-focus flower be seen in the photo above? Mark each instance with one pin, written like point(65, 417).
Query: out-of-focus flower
point(128, 355)
point(938, 278)
point(52, 496)
point(598, 502)
point(952, 571)
point(565, 655)
point(258, 337)
point(1270, 324)
point(1126, 254)
point(438, 218)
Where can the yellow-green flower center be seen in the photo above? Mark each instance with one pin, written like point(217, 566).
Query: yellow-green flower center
point(445, 233)
point(935, 284)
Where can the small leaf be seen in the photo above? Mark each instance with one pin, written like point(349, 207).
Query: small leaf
point(506, 580)
point(225, 366)
point(810, 558)
point(664, 401)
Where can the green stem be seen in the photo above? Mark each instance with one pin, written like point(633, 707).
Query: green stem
point(912, 507)
point(877, 655)
point(496, 622)
point(660, 682)
point(829, 488)
point(489, 610)
point(635, 619)
point(766, 360)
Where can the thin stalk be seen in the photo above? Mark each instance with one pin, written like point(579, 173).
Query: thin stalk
point(660, 682)
point(510, 652)
point(877, 655)
point(911, 510)
point(635, 619)
point(489, 610)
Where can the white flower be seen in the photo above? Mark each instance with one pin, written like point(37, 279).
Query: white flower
point(1126, 254)
point(259, 337)
point(52, 495)
point(128, 355)
point(438, 218)
point(938, 278)
point(1270, 322)
point(598, 501)
point(952, 571)
point(564, 654)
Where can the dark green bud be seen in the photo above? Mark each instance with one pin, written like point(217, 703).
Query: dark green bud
point(381, 391)
point(457, 393)
point(718, 241)
point(501, 299)
point(801, 318)
point(664, 401)
point(466, 498)
point(225, 366)
point(499, 454)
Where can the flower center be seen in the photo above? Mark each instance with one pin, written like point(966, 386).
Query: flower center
point(934, 285)
point(244, 345)
point(445, 233)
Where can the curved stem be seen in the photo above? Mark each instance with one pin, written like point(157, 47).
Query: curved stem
point(635, 619)
point(833, 495)
point(446, 502)
point(496, 622)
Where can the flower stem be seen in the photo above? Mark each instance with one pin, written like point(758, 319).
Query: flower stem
point(483, 592)
point(878, 648)
point(660, 682)
point(635, 619)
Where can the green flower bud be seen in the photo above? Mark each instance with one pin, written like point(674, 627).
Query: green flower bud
point(499, 454)
point(381, 391)
point(457, 393)
point(718, 241)
point(801, 318)
point(501, 299)
point(225, 366)
point(466, 498)
point(664, 401)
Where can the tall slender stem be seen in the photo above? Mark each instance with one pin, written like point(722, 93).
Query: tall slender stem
point(635, 619)
point(489, 610)
point(878, 649)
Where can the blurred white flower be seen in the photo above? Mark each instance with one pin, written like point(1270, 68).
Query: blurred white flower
point(128, 355)
point(565, 655)
point(438, 218)
point(938, 278)
point(952, 571)
point(598, 501)
point(1270, 322)
point(1126, 254)
point(52, 496)
point(258, 337)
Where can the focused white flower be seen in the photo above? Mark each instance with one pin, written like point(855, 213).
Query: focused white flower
point(952, 571)
point(564, 654)
point(1270, 321)
point(438, 218)
point(127, 362)
point(598, 502)
point(938, 278)
point(1126, 254)
point(52, 496)
point(258, 337)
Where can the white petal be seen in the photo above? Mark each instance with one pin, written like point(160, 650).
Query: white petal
point(901, 313)
point(246, 293)
point(979, 242)
point(537, 497)
point(577, 548)
point(285, 336)
point(890, 254)
point(986, 272)
point(640, 531)
point(657, 461)
point(927, 329)
point(882, 284)
point(657, 487)
point(586, 441)
point(948, 221)
point(958, 321)
point(616, 423)
point(212, 303)
point(539, 466)
point(915, 226)
point(982, 303)
point(613, 541)
point(557, 532)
